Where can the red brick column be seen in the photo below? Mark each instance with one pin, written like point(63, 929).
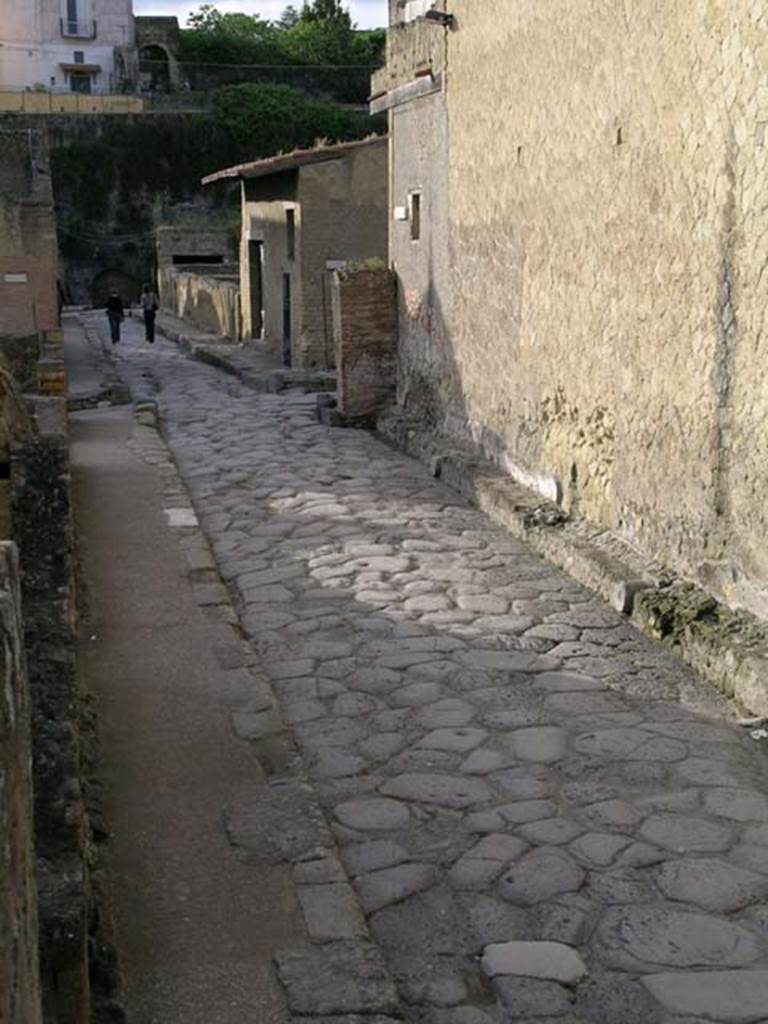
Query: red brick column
point(365, 339)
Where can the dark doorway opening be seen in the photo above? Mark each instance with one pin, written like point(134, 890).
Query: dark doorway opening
point(286, 319)
point(256, 284)
point(127, 287)
point(154, 69)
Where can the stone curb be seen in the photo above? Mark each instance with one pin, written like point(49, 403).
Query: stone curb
point(728, 648)
point(335, 922)
point(220, 355)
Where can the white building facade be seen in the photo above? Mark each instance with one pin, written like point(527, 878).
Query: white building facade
point(80, 46)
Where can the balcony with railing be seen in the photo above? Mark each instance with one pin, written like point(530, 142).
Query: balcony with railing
point(72, 28)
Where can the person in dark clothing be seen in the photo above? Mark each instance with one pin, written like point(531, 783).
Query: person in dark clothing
point(149, 309)
point(115, 315)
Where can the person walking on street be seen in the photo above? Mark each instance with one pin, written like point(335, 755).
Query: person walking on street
point(115, 315)
point(149, 308)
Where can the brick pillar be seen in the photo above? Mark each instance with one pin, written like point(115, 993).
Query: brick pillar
point(365, 339)
point(19, 972)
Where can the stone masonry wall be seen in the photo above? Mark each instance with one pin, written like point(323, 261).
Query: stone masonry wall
point(19, 972)
point(605, 319)
point(210, 301)
point(42, 528)
point(28, 245)
point(343, 216)
point(365, 340)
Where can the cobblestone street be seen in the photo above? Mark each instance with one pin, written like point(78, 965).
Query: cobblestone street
point(542, 815)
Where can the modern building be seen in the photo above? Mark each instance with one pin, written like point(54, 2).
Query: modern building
point(304, 215)
point(580, 235)
point(78, 46)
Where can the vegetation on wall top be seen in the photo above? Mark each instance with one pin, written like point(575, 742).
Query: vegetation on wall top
point(317, 48)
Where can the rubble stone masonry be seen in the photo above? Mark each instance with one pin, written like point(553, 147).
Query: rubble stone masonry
point(19, 976)
point(601, 327)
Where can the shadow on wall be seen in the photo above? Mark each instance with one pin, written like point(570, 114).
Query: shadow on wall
point(432, 399)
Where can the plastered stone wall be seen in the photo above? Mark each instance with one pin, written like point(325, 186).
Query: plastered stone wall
point(343, 217)
point(607, 231)
point(340, 213)
point(28, 244)
point(210, 302)
point(192, 240)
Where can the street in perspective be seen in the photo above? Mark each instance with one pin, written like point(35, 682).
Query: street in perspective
point(506, 796)
point(383, 521)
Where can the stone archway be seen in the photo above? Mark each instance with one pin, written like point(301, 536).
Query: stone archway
point(126, 286)
point(155, 68)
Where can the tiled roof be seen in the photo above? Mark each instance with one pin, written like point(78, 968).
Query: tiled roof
point(297, 158)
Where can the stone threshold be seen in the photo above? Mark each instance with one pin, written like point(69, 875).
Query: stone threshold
point(729, 648)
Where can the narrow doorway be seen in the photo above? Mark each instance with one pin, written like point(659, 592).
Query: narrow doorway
point(286, 319)
point(256, 285)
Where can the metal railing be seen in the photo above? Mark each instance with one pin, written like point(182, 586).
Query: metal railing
point(72, 29)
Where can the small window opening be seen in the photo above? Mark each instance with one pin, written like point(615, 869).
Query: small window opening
point(415, 216)
point(619, 137)
point(290, 234)
point(79, 56)
point(180, 260)
point(519, 156)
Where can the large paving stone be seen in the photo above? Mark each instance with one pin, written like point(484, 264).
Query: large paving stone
point(370, 814)
point(566, 682)
point(735, 997)
point(599, 849)
point(631, 744)
point(544, 745)
point(361, 858)
point(737, 804)
point(492, 919)
point(336, 978)
point(552, 961)
point(431, 788)
point(711, 884)
point(551, 831)
point(459, 740)
point(391, 885)
point(686, 834)
point(446, 714)
point(331, 912)
point(540, 875)
point(644, 938)
point(429, 923)
point(612, 814)
point(526, 999)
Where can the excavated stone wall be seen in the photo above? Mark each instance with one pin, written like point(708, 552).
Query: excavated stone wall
point(603, 323)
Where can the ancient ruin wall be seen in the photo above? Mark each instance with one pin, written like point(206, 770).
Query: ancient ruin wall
point(608, 235)
point(19, 974)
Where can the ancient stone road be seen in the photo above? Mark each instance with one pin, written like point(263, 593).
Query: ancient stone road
point(502, 759)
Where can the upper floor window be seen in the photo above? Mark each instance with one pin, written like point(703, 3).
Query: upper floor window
point(290, 234)
point(414, 215)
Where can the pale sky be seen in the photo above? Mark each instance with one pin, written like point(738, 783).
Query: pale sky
point(366, 13)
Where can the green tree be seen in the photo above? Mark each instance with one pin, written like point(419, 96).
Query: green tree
point(289, 17)
point(318, 48)
point(326, 12)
